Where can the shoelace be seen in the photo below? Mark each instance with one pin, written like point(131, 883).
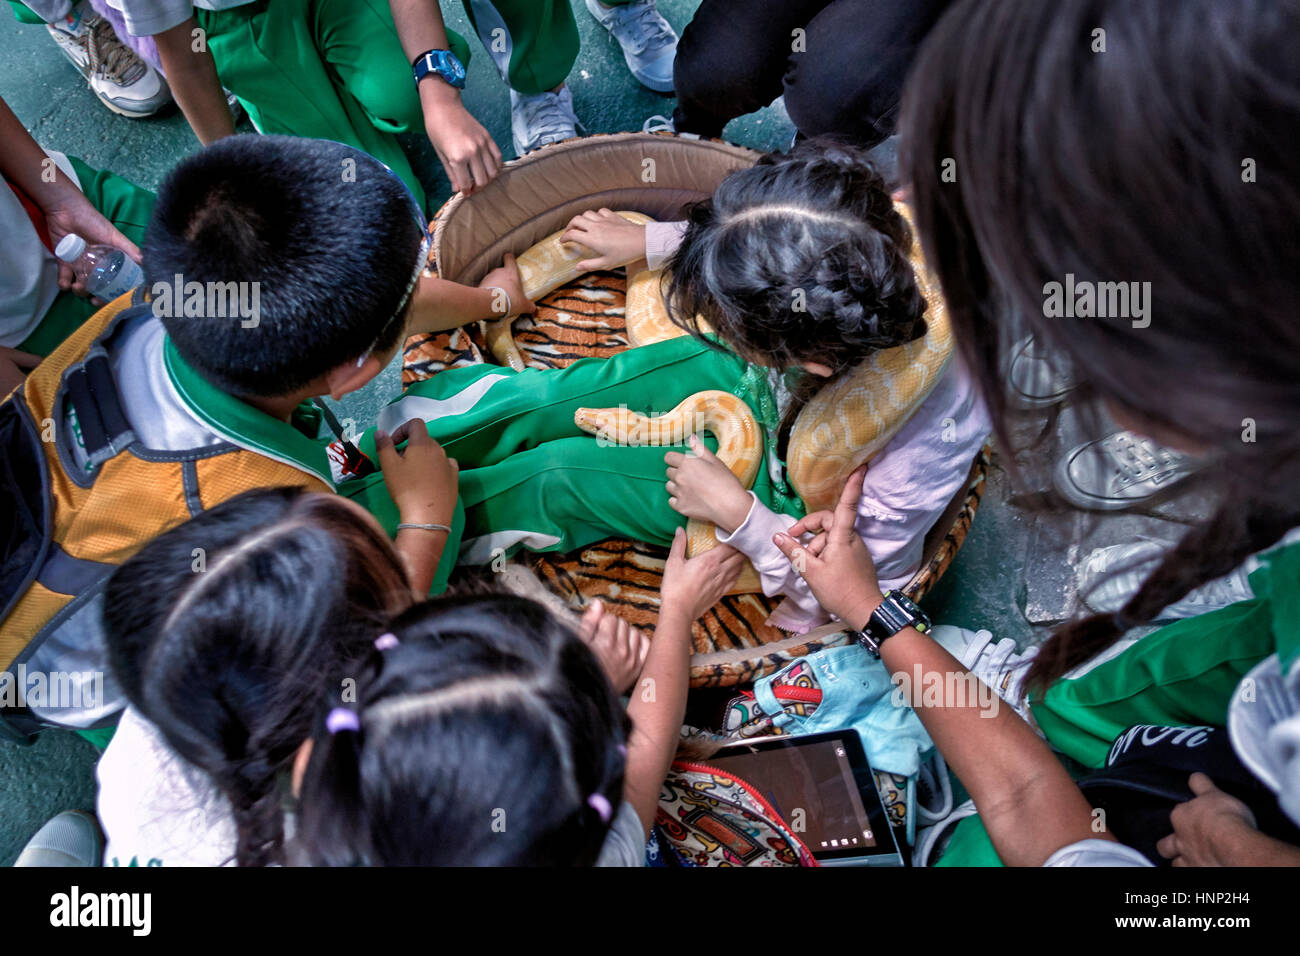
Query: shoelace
point(549, 120)
point(109, 56)
point(1140, 459)
point(642, 21)
point(658, 124)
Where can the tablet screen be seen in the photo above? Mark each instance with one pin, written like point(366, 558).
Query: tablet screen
point(821, 785)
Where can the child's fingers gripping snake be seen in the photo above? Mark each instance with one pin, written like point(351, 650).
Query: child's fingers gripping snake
point(543, 268)
point(726, 417)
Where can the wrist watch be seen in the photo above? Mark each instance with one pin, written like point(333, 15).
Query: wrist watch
point(895, 612)
point(441, 63)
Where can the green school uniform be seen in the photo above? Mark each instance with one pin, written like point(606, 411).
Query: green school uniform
point(1183, 674)
point(529, 477)
point(335, 69)
point(294, 443)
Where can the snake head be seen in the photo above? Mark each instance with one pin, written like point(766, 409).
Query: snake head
point(600, 422)
point(611, 426)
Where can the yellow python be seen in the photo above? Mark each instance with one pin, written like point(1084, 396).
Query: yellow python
point(845, 424)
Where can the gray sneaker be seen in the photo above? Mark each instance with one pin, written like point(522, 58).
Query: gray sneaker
point(1035, 378)
point(123, 82)
point(72, 838)
point(537, 119)
point(648, 40)
point(1117, 472)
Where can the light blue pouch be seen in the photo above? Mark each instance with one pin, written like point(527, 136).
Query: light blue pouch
point(858, 694)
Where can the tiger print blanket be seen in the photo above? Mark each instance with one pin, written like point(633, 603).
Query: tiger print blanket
point(582, 319)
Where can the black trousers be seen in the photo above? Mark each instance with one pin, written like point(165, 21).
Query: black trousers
point(843, 76)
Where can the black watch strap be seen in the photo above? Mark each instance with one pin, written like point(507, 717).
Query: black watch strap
point(895, 612)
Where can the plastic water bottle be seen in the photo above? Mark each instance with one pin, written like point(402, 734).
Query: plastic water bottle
point(107, 272)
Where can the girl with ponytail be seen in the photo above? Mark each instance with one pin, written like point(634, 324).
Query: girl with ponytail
point(223, 633)
point(228, 633)
point(484, 732)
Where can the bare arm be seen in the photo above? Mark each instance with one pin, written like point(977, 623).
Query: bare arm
point(658, 703)
point(467, 152)
point(65, 207)
point(1028, 803)
point(193, 78)
point(440, 304)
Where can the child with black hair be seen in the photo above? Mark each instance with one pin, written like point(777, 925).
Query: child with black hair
point(815, 227)
point(483, 733)
point(226, 657)
point(277, 270)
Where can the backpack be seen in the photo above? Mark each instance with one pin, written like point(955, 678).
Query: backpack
point(66, 528)
point(708, 817)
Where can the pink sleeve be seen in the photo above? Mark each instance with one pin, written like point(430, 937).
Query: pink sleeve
point(661, 241)
point(753, 539)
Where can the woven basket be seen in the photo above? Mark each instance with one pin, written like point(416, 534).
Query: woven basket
point(657, 174)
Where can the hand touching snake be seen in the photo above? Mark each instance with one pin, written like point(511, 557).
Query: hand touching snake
point(844, 425)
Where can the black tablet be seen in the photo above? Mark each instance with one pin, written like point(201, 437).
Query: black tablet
point(823, 787)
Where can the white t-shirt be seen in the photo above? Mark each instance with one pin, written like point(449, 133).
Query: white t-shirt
point(29, 273)
point(156, 809)
point(1097, 853)
point(147, 17)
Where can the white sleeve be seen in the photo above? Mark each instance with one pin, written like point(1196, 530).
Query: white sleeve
point(625, 843)
point(1097, 853)
point(144, 18)
point(661, 241)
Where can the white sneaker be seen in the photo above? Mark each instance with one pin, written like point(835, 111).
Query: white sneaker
point(1117, 472)
point(123, 82)
point(649, 42)
point(71, 838)
point(933, 837)
point(537, 119)
point(933, 791)
point(659, 124)
point(1110, 576)
point(1000, 665)
point(1035, 377)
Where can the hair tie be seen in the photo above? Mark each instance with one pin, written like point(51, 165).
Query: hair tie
point(340, 718)
point(622, 749)
point(599, 803)
point(386, 642)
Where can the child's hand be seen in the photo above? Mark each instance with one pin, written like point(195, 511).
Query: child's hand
point(693, 585)
point(836, 564)
point(506, 277)
point(620, 647)
point(700, 486)
point(421, 479)
point(615, 240)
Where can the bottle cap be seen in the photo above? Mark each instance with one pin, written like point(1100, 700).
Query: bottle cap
point(70, 247)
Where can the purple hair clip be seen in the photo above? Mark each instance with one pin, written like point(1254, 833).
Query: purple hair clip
point(340, 718)
point(600, 804)
point(386, 642)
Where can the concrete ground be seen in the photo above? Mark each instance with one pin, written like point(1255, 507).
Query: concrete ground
point(1012, 576)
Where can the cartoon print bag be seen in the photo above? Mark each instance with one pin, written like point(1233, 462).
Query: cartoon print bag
point(708, 817)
